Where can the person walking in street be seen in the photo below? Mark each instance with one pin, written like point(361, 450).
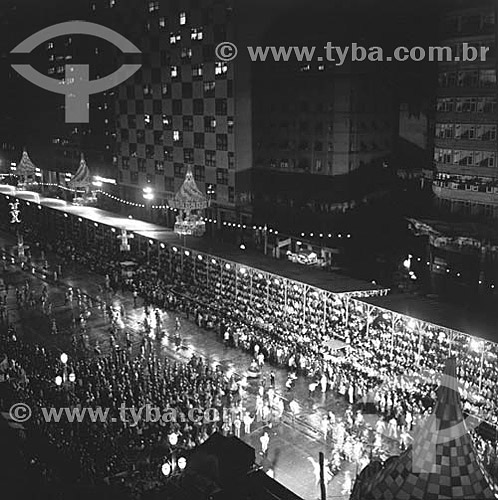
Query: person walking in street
point(392, 428)
point(237, 424)
point(272, 379)
point(294, 408)
point(265, 441)
point(261, 359)
point(324, 383)
point(248, 420)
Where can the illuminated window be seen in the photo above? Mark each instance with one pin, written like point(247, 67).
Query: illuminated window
point(196, 34)
point(221, 68)
point(174, 71)
point(147, 89)
point(183, 18)
point(209, 124)
point(197, 70)
point(167, 122)
point(186, 53)
point(209, 88)
point(154, 6)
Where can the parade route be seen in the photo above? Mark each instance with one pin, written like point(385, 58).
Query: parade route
point(293, 446)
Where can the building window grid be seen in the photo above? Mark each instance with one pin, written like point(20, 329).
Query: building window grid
point(210, 158)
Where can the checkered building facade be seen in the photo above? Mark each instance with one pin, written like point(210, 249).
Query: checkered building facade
point(178, 111)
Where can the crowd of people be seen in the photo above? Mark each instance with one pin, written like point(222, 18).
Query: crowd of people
point(121, 445)
point(375, 368)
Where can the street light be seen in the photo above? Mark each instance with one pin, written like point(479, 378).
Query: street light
point(148, 195)
point(211, 192)
point(173, 439)
point(166, 469)
point(65, 380)
point(407, 263)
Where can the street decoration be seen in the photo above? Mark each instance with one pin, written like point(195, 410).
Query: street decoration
point(189, 201)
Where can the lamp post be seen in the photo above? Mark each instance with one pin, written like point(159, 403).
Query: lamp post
point(66, 380)
point(173, 441)
point(148, 195)
point(210, 193)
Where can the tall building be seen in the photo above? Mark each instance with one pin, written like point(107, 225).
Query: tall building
point(321, 129)
point(321, 122)
point(22, 103)
point(186, 109)
point(96, 139)
point(35, 117)
point(466, 144)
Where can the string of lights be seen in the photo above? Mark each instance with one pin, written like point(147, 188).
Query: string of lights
point(214, 221)
point(209, 220)
point(449, 270)
point(439, 267)
point(60, 186)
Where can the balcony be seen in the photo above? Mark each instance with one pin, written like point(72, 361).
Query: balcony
point(483, 198)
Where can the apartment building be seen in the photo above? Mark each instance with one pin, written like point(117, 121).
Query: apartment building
point(466, 121)
point(187, 109)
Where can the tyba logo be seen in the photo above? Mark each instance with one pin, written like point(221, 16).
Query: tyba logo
point(76, 86)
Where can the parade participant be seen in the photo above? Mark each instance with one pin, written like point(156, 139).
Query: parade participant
point(324, 383)
point(265, 441)
point(272, 378)
point(294, 408)
point(325, 425)
point(259, 408)
point(279, 409)
point(261, 359)
point(237, 423)
point(392, 428)
point(248, 420)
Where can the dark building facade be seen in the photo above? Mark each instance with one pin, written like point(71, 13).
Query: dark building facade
point(466, 144)
point(96, 139)
point(36, 117)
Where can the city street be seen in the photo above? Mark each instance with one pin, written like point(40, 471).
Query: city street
point(291, 444)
